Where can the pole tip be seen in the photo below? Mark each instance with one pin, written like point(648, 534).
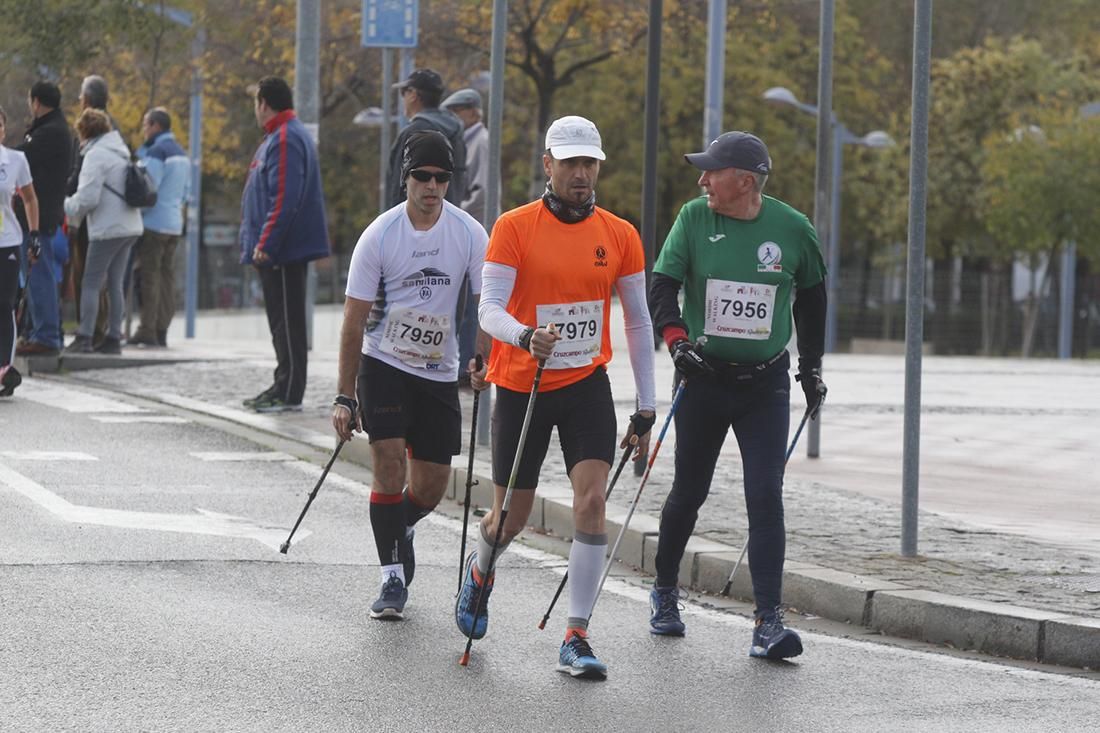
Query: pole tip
point(284, 547)
point(465, 659)
point(726, 590)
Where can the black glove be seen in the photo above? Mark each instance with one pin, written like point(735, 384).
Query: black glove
point(642, 424)
point(352, 406)
point(814, 389)
point(688, 361)
point(34, 245)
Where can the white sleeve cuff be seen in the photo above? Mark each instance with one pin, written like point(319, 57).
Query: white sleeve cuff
point(639, 337)
point(497, 281)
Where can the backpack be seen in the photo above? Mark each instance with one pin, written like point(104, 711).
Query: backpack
point(140, 191)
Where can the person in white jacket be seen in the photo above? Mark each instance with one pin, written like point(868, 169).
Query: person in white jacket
point(113, 227)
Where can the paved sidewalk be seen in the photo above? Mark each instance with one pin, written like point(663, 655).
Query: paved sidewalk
point(1008, 493)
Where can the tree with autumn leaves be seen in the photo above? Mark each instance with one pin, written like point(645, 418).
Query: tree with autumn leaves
point(587, 57)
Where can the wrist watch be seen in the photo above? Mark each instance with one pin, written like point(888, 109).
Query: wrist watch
point(525, 339)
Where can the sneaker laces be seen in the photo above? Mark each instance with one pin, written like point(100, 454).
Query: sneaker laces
point(668, 604)
point(470, 601)
point(772, 623)
point(579, 645)
point(392, 587)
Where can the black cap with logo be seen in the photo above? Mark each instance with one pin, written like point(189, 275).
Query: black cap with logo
point(422, 79)
point(736, 149)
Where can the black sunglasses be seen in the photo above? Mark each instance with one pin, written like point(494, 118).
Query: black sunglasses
point(425, 176)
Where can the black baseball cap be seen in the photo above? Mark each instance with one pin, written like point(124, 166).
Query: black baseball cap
point(734, 150)
point(422, 79)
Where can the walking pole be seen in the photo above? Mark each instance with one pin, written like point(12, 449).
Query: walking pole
point(286, 545)
point(565, 578)
point(744, 548)
point(638, 495)
point(465, 660)
point(478, 361)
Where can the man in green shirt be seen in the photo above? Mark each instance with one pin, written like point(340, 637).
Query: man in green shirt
point(739, 256)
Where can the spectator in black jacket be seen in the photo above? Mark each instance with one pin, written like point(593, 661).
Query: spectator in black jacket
point(48, 147)
point(422, 92)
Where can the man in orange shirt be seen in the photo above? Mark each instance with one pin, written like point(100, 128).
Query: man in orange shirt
point(554, 262)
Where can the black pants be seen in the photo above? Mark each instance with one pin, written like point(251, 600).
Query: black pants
point(9, 292)
point(285, 301)
point(758, 409)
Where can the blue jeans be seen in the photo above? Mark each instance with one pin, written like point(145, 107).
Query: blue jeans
point(42, 300)
point(758, 409)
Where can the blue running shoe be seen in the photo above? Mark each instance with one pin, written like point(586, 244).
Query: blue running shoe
point(664, 603)
point(391, 602)
point(576, 658)
point(468, 598)
point(772, 640)
point(408, 556)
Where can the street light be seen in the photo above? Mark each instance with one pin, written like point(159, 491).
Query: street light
point(841, 135)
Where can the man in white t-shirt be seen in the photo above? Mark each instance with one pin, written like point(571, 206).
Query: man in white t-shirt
point(399, 353)
point(15, 178)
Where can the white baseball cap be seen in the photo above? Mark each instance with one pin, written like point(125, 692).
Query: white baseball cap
point(574, 137)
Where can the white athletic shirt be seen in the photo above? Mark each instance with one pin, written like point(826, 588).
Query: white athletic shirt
point(14, 174)
point(414, 279)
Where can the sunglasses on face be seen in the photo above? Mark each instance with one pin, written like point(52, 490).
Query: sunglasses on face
point(425, 176)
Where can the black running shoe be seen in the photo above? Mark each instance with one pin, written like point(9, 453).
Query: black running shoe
point(391, 602)
point(772, 640)
point(11, 379)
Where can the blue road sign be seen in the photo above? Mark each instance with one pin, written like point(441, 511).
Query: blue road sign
point(390, 23)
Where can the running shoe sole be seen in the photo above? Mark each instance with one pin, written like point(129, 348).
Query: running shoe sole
point(277, 408)
point(467, 572)
point(665, 632)
point(387, 614)
point(584, 673)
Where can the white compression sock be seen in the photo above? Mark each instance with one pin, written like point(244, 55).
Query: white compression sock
point(484, 549)
point(586, 558)
point(397, 569)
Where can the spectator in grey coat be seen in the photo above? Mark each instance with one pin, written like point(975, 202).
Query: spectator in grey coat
point(113, 227)
point(466, 105)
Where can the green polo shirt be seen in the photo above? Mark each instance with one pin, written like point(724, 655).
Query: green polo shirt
point(738, 276)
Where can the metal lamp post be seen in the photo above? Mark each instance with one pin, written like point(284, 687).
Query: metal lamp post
point(841, 135)
point(194, 200)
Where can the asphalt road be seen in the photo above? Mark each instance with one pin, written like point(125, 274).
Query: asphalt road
point(124, 608)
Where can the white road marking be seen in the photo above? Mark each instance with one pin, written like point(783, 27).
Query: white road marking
point(205, 522)
point(327, 441)
point(127, 419)
point(216, 456)
point(47, 455)
point(71, 400)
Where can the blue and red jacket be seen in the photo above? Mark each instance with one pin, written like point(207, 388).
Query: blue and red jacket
point(283, 206)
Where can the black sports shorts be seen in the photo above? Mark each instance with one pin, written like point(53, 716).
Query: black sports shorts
point(583, 413)
point(396, 404)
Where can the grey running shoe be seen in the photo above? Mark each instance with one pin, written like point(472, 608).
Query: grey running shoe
point(391, 602)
